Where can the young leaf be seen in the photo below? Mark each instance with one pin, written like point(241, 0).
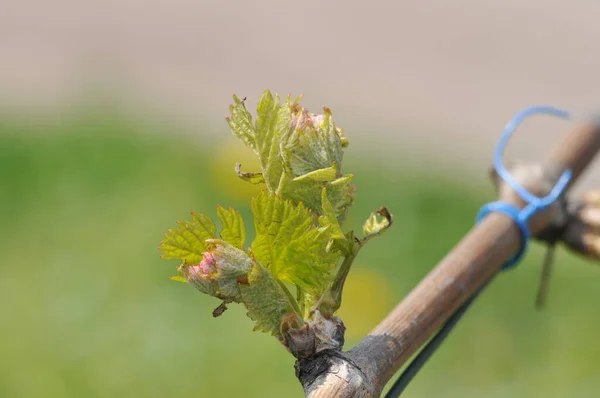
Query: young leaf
point(266, 300)
point(188, 241)
point(264, 138)
point(233, 226)
point(290, 245)
point(307, 262)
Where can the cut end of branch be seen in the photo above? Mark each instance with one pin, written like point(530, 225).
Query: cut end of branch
point(330, 374)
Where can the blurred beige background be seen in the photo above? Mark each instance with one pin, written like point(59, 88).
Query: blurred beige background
point(88, 310)
point(439, 78)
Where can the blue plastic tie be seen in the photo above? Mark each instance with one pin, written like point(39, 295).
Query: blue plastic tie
point(519, 216)
point(534, 203)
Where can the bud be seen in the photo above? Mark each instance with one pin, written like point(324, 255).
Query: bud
point(580, 238)
point(317, 334)
point(591, 198)
point(314, 142)
point(221, 269)
point(591, 243)
point(582, 233)
point(329, 332)
point(298, 337)
point(590, 216)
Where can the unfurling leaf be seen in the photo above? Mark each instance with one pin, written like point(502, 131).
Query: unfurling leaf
point(188, 241)
point(233, 227)
point(377, 223)
point(288, 243)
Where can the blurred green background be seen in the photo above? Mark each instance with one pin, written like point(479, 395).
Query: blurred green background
point(88, 311)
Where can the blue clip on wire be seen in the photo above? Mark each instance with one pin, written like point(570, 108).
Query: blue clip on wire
point(534, 203)
point(520, 217)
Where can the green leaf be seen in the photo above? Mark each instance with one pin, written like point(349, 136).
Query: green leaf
point(266, 300)
point(187, 242)
point(233, 230)
point(307, 261)
point(271, 212)
point(289, 244)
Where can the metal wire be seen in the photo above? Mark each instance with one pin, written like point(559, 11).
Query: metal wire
point(411, 371)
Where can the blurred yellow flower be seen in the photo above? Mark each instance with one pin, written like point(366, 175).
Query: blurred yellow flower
point(366, 300)
point(222, 170)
